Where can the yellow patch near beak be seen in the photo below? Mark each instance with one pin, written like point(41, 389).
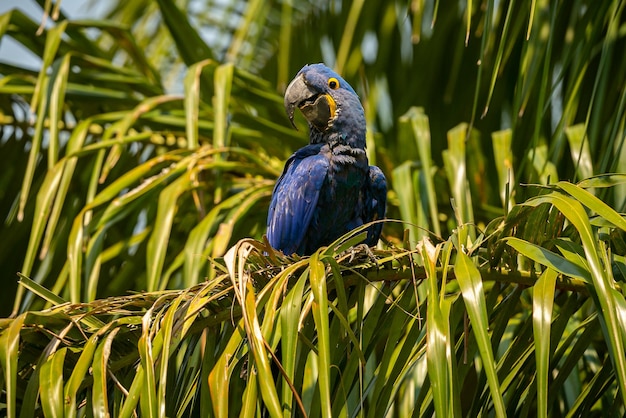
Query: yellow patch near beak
point(331, 105)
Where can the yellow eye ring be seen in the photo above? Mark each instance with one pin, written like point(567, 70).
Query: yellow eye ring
point(333, 83)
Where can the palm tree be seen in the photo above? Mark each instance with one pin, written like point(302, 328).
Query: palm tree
point(139, 161)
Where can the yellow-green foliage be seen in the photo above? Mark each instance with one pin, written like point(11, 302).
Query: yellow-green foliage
point(138, 160)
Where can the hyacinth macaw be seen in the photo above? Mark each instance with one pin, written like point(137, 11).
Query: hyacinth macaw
point(327, 188)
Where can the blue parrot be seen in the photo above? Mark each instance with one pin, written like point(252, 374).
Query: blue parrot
point(327, 188)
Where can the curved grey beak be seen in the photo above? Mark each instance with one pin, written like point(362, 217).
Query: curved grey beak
point(297, 92)
point(315, 106)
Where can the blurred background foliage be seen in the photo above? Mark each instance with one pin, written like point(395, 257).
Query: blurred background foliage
point(146, 140)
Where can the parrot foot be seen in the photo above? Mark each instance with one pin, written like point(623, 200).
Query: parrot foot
point(358, 250)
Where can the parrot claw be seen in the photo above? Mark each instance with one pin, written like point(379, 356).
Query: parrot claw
point(357, 251)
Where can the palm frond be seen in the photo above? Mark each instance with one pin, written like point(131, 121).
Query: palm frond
point(265, 320)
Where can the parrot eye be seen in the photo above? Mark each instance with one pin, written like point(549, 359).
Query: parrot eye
point(333, 83)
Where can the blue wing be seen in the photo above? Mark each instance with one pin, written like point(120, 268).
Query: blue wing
point(295, 198)
point(375, 203)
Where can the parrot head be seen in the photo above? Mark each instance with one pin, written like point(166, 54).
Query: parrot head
point(326, 100)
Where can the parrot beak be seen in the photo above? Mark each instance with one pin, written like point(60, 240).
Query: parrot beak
point(317, 108)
